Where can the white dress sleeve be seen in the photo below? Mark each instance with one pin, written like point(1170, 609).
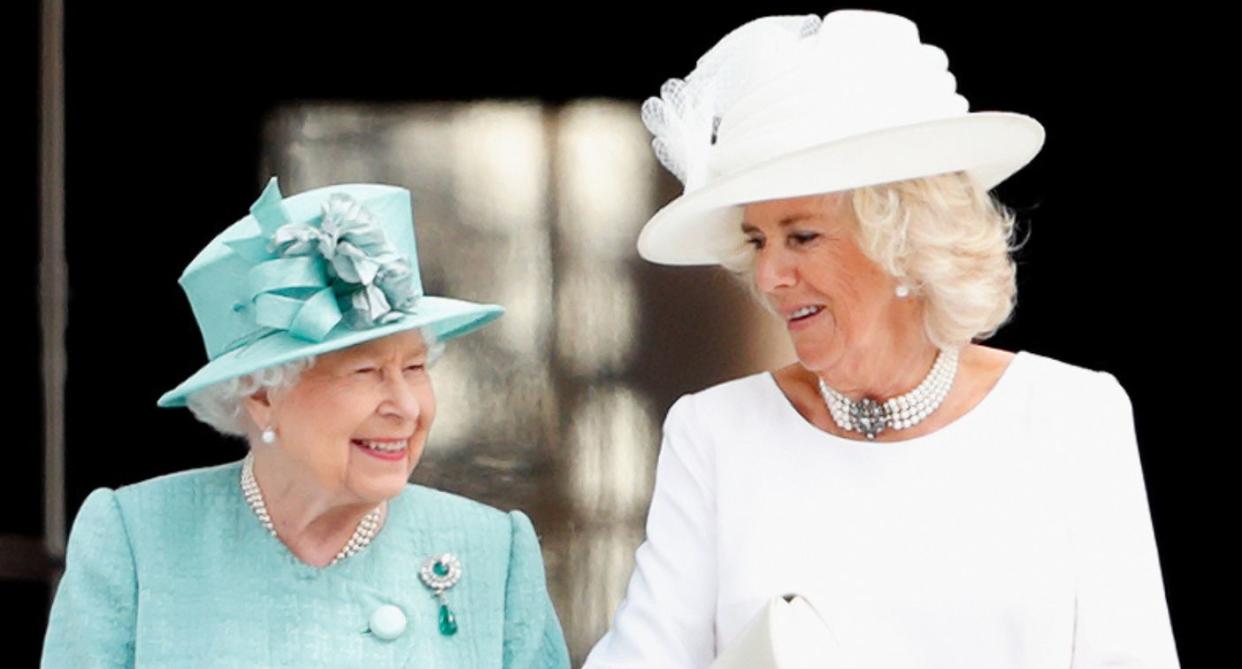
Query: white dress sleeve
point(667, 618)
point(1121, 617)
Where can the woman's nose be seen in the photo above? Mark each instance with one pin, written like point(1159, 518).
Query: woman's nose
point(772, 270)
point(401, 400)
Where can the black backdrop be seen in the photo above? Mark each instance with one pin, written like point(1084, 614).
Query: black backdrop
point(165, 104)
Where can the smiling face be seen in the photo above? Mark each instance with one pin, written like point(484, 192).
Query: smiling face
point(838, 305)
point(357, 420)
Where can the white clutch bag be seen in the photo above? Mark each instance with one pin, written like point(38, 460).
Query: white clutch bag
point(787, 634)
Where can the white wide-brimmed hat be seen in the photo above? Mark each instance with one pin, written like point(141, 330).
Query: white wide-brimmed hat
point(789, 106)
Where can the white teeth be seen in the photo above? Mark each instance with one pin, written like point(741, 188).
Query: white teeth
point(804, 311)
point(385, 446)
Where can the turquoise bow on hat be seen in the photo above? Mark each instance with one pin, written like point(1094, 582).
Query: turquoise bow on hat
point(304, 270)
point(315, 272)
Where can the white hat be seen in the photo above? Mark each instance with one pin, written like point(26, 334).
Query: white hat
point(788, 106)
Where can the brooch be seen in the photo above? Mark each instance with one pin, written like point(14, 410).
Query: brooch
point(441, 573)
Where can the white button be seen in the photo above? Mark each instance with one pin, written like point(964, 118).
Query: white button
point(388, 622)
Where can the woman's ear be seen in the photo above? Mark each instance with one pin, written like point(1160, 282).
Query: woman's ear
point(259, 406)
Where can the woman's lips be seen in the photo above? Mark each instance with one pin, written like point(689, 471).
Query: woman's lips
point(389, 456)
point(805, 320)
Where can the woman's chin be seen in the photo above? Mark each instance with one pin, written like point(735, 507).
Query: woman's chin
point(814, 343)
point(379, 478)
point(814, 354)
point(376, 489)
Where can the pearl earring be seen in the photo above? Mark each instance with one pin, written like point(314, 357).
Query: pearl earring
point(902, 290)
point(268, 436)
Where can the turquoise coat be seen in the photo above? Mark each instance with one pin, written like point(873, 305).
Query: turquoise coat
point(178, 572)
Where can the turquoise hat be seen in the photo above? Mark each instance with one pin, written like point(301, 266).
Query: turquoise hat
point(317, 272)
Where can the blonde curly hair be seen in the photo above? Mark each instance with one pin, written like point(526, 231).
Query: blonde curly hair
point(943, 236)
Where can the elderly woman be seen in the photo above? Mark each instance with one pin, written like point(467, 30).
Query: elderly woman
point(313, 551)
point(939, 503)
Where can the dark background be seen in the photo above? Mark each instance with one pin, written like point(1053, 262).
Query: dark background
point(165, 103)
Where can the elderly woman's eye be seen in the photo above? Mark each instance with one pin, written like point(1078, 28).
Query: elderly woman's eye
point(416, 368)
point(803, 237)
point(755, 242)
point(365, 370)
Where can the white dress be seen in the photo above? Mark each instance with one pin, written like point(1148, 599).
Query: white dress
point(1017, 536)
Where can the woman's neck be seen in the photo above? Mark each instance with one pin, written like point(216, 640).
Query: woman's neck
point(312, 522)
point(882, 370)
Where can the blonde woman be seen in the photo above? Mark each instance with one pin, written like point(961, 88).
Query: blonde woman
point(939, 502)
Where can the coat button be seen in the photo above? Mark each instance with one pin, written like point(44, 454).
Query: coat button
point(388, 622)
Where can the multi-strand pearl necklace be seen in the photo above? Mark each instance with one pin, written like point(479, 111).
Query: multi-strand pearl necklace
point(362, 536)
point(898, 413)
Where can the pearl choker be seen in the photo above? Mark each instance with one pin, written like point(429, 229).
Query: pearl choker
point(898, 413)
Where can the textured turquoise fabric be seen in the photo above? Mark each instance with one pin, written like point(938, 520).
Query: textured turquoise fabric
point(177, 572)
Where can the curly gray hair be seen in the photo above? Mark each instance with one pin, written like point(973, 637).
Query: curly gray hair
point(222, 406)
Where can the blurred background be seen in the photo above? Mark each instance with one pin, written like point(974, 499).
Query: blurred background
point(142, 129)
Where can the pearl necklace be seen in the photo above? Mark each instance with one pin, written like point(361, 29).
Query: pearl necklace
point(871, 418)
point(362, 536)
